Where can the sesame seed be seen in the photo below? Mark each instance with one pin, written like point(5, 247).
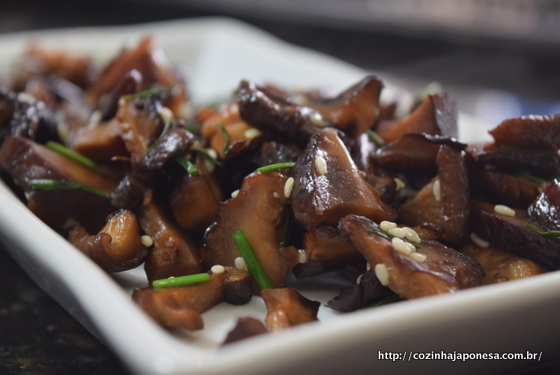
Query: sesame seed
point(147, 240)
point(321, 165)
point(303, 258)
point(411, 235)
point(402, 247)
point(399, 183)
point(359, 278)
point(419, 257)
point(397, 232)
point(276, 195)
point(436, 189)
point(240, 264)
point(288, 187)
point(368, 266)
point(235, 193)
point(386, 225)
point(94, 118)
point(479, 241)
point(166, 115)
point(504, 210)
point(212, 153)
point(317, 119)
point(217, 269)
point(26, 97)
point(234, 108)
point(251, 133)
point(382, 273)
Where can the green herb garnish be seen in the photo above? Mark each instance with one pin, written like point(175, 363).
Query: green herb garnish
point(208, 157)
point(181, 281)
point(149, 92)
point(188, 165)
point(226, 137)
point(275, 167)
point(375, 138)
point(389, 237)
point(253, 264)
point(71, 154)
point(546, 233)
point(46, 184)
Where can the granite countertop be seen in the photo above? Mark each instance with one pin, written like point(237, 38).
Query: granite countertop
point(38, 337)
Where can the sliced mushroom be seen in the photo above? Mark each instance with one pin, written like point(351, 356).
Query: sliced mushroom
point(508, 189)
point(287, 308)
point(500, 265)
point(174, 253)
point(437, 115)
point(507, 230)
point(545, 210)
point(260, 211)
point(445, 200)
point(533, 132)
point(328, 185)
point(431, 269)
point(181, 307)
point(244, 328)
point(118, 245)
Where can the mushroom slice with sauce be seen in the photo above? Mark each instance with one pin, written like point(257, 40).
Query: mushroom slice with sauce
point(117, 247)
point(432, 269)
point(532, 132)
point(245, 327)
point(367, 291)
point(260, 211)
point(174, 253)
point(436, 115)
point(445, 200)
point(182, 306)
point(329, 186)
point(286, 308)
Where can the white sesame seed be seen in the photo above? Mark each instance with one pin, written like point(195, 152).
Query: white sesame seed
point(386, 225)
point(402, 247)
point(94, 118)
point(288, 187)
point(166, 115)
point(317, 119)
point(479, 241)
point(397, 232)
point(504, 210)
point(399, 183)
point(382, 273)
point(26, 97)
point(436, 189)
point(147, 240)
point(235, 193)
point(321, 165)
point(359, 278)
point(212, 153)
point(368, 266)
point(217, 269)
point(240, 264)
point(411, 235)
point(251, 133)
point(419, 257)
point(303, 258)
point(234, 108)
point(276, 195)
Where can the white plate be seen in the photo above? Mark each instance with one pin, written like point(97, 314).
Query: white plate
point(517, 316)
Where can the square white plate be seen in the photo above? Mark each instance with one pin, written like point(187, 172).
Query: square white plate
point(216, 54)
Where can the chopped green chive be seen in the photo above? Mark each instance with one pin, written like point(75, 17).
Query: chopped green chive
point(253, 264)
point(226, 137)
point(46, 184)
point(188, 165)
point(375, 138)
point(208, 157)
point(165, 129)
point(546, 233)
point(389, 237)
point(275, 167)
point(149, 92)
point(530, 177)
point(181, 280)
point(71, 154)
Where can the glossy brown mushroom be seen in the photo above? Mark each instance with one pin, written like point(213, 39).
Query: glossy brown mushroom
point(181, 307)
point(245, 327)
point(438, 269)
point(260, 211)
point(329, 186)
point(533, 132)
point(118, 245)
point(286, 308)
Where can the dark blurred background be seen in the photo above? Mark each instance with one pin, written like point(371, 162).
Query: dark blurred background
point(498, 58)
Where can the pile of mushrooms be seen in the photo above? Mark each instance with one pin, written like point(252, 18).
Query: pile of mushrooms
point(273, 184)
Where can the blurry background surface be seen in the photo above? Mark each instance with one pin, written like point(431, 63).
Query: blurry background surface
point(498, 58)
